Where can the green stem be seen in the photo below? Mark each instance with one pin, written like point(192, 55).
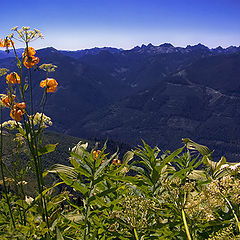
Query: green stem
point(87, 229)
point(34, 146)
point(135, 234)
point(85, 222)
point(30, 84)
point(234, 213)
point(19, 65)
point(43, 102)
point(2, 173)
point(185, 225)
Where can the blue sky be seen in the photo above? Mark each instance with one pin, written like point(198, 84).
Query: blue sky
point(80, 24)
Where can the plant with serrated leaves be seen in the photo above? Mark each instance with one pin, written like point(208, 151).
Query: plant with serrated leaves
point(94, 176)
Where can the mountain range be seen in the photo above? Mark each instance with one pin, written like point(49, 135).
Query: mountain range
point(157, 93)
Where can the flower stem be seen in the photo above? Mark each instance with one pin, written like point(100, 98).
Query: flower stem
point(135, 234)
point(234, 213)
point(185, 225)
point(2, 173)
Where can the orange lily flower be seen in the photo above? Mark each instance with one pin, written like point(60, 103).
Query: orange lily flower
point(6, 43)
point(30, 52)
point(116, 162)
point(13, 78)
point(50, 84)
point(96, 153)
point(17, 111)
point(29, 62)
point(8, 101)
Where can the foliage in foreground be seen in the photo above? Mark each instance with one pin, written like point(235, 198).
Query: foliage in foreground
point(148, 194)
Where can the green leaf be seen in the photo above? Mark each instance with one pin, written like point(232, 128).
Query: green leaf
point(25, 87)
point(198, 175)
point(128, 156)
point(82, 160)
point(180, 172)
point(127, 179)
point(22, 203)
point(103, 165)
point(102, 194)
point(169, 158)
point(68, 171)
point(47, 190)
point(69, 176)
point(191, 145)
point(78, 149)
point(141, 171)
point(47, 149)
point(220, 163)
point(59, 235)
point(209, 162)
point(44, 174)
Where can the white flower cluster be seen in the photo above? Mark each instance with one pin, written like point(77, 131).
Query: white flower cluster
point(3, 71)
point(42, 120)
point(29, 200)
point(233, 167)
point(11, 124)
point(26, 34)
point(48, 67)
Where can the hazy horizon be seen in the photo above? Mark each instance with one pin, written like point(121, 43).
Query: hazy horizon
point(140, 45)
point(83, 24)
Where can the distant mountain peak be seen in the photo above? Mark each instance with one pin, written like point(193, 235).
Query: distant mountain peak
point(198, 46)
point(219, 48)
point(143, 46)
point(151, 49)
point(167, 45)
point(48, 49)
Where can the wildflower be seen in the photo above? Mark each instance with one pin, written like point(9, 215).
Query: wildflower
point(6, 43)
point(50, 84)
point(2, 96)
point(25, 28)
point(11, 124)
point(224, 166)
point(29, 200)
point(38, 33)
point(42, 119)
point(14, 28)
point(48, 67)
point(20, 33)
point(3, 71)
point(19, 139)
point(27, 35)
point(10, 36)
point(29, 52)
point(124, 170)
point(30, 61)
point(116, 162)
point(96, 153)
point(7, 179)
point(8, 100)
point(17, 111)
point(22, 183)
point(235, 166)
point(13, 78)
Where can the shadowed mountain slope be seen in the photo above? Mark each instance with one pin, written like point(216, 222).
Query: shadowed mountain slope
point(158, 93)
